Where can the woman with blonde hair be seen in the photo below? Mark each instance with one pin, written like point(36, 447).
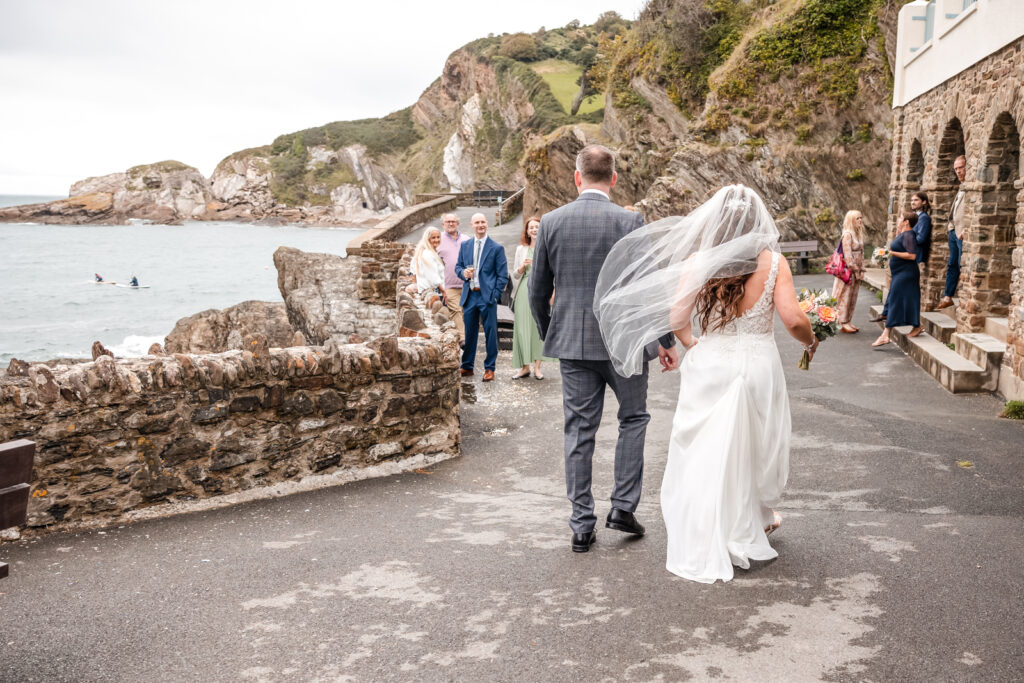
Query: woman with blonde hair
point(845, 293)
point(527, 347)
point(427, 265)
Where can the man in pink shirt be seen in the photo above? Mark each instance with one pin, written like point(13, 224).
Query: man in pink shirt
point(451, 241)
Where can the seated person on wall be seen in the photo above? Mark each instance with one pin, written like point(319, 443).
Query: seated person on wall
point(427, 266)
point(484, 270)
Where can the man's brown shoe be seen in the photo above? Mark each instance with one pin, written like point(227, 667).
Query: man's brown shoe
point(465, 373)
point(945, 303)
point(488, 375)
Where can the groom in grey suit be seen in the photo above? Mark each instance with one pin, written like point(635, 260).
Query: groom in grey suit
point(572, 244)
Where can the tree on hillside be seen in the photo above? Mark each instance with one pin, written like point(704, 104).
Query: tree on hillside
point(519, 46)
point(610, 23)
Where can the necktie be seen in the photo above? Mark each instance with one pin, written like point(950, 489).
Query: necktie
point(476, 264)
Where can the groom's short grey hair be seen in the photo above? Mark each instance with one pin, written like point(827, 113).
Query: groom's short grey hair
point(596, 164)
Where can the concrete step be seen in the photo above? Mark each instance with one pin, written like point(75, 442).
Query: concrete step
point(997, 328)
point(954, 372)
point(984, 351)
point(938, 325)
point(876, 279)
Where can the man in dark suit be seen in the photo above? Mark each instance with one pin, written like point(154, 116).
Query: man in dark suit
point(483, 266)
point(572, 244)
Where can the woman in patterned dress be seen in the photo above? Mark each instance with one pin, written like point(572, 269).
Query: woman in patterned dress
point(845, 293)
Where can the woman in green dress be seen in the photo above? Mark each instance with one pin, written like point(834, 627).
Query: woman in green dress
point(527, 347)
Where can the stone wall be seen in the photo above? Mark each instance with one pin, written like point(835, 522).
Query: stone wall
point(378, 276)
point(116, 435)
point(401, 223)
point(978, 113)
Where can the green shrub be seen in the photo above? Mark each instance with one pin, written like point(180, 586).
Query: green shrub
point(519, 46)
point(826, 215)
point(803, 133)
point(1013, 410)
point(855, 175)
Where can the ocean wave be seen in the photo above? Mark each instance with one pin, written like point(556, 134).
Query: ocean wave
point(134, 345)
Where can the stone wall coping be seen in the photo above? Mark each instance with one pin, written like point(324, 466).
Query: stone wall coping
point(84, 382)
point(400, 223)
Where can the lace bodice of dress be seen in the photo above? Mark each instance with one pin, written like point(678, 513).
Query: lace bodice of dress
point(759, 318)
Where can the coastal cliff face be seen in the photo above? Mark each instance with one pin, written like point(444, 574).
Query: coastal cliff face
point(166, 192)
point(791, 99)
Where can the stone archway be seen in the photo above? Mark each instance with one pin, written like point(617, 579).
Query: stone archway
point(915, 163)
point(941, 195)
point(990, 238)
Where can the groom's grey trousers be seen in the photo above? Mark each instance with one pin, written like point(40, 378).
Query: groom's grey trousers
point(583, 389)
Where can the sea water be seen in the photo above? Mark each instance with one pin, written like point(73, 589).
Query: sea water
point(50, 307)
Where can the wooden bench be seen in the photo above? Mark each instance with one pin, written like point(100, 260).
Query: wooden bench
point(803, 251)
point(16, 459)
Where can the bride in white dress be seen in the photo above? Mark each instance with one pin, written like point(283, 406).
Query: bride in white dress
point(718, 271)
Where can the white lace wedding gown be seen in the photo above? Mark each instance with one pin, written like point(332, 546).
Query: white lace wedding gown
point(728, 458)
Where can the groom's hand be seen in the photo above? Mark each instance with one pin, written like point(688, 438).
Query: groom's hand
point(669, 358)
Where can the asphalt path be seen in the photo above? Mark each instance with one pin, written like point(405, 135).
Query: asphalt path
point(900, 558)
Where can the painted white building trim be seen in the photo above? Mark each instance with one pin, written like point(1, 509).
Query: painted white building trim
point(937, 39)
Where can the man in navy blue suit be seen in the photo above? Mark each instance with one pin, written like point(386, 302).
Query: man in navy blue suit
point(483, 266)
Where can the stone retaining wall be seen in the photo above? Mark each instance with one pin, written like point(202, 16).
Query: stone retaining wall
point(402, 222)
point(378, 277)
point(117, 435)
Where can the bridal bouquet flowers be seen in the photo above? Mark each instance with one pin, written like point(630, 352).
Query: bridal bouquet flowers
point(881, 257)
point(821, 309)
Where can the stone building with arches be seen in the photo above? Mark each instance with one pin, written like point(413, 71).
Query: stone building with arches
point(959, 90)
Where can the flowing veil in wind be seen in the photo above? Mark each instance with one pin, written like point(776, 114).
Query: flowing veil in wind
point(650, 280)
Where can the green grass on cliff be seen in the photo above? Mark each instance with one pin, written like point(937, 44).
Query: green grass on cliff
point(563, 79)
point(391, 133)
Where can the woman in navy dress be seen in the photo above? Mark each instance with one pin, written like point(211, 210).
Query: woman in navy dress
point(905, 287)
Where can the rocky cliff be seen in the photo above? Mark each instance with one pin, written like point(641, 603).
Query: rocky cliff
point(790, 98)
point(165, 192)
point(214, 331)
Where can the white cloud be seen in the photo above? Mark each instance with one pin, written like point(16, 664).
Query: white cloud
point(95, 87)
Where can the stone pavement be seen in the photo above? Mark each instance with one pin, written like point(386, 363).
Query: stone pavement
point(896, 562)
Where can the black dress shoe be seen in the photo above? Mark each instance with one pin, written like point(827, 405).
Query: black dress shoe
point(620, 520)
point(581, 542)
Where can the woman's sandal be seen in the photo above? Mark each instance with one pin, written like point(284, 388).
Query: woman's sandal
point(520, 375)
point(879, 342)
point(768, 530)
point(537, 375)
point(915, 332)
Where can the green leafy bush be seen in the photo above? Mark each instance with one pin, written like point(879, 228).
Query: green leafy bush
point(855, 175)
point(519, 46)
point(1013, 410)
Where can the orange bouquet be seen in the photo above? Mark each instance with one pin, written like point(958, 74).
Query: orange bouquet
point(821, 309)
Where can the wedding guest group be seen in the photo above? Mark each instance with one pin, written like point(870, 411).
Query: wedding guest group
point(904, 301)
point(955, 236)
point(483, 270)
point(845, 293)
point(527, 347)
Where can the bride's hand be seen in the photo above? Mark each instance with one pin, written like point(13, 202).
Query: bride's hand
point(811, 349)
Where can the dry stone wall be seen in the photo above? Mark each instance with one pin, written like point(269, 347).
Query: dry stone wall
point(979, 113)
point(115, 435)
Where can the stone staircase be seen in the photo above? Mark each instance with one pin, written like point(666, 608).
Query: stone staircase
point(961, 362)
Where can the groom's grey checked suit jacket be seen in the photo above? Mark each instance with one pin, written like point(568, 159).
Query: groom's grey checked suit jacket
point(572, 244)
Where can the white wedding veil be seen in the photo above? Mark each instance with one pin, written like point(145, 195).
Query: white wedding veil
point(650, 280)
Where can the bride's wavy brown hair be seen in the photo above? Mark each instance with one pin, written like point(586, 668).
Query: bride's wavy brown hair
point(718, 301)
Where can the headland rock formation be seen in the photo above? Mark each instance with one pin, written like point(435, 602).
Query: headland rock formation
point(791, 98)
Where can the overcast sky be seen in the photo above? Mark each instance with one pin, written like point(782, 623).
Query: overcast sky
point(89, 87)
